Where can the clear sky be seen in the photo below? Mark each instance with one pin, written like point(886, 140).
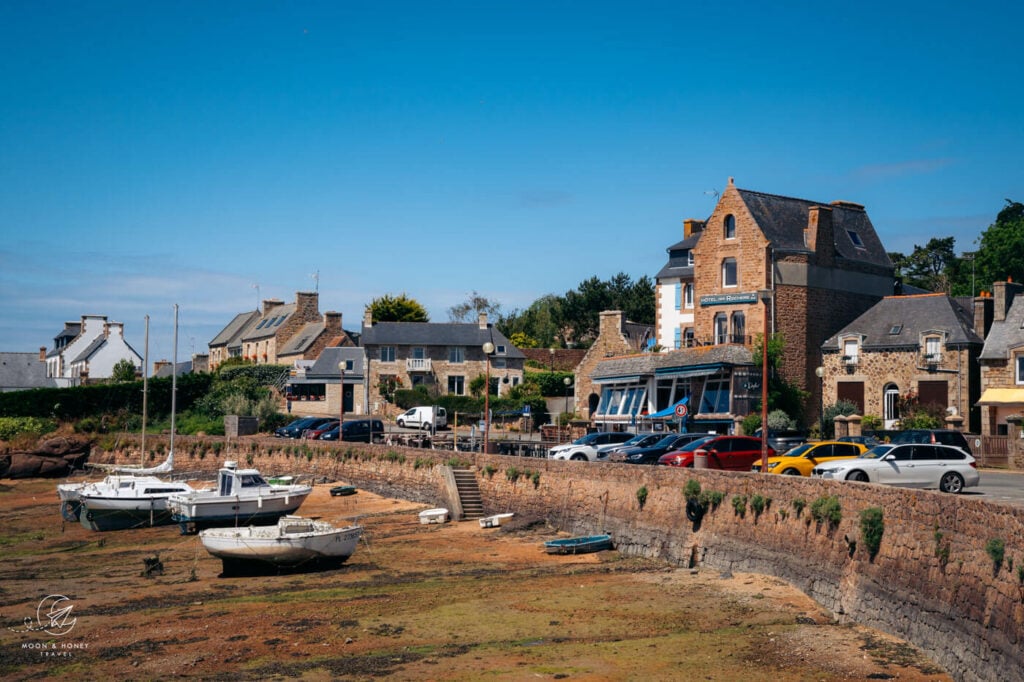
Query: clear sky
point(154, 153)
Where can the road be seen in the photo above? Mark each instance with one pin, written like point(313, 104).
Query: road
point(1000, 486)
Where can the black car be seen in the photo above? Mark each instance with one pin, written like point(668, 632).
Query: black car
point(357, 431)
point(943, 436)
point(295, 429)
point(650, 454)
point(783, 440)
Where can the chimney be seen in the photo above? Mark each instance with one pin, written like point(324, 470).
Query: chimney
point(1003, 293)
point(612, 322)
point(271, 303)
point(367, 317)
point(106, 330)
point(42, 353)
point(332, 322)
point(692, 226)
point(982, 315)
point(482, 320)
point(818, 235)
point(307, 304)
point(160, 364)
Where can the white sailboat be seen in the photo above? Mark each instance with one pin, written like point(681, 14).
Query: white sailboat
point(294, 541)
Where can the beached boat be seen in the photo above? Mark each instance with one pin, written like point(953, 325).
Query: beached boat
point(495, 520)
point(343, 490)
point(242, 497)
point(294, 541)
point(438, 515)
point(579, 545)
point(120, 502)
point(281, 480)
point(70, 494)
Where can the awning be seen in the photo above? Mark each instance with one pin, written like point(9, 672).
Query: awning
point(669, 411)
point(628, 379)
point(1002, 396)
point(680, 373)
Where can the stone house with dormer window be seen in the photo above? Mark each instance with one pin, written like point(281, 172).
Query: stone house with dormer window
point(444, 357)
point(1002, 372)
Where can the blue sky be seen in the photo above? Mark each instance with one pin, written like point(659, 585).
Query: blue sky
point(181, 152)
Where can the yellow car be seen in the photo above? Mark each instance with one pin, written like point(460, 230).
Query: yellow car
point(800, 460)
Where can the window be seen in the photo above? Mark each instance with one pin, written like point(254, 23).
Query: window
point(715, 399)
point(418, 353)
point(721, 328)
point(739, 328)
point(891, 401)
point(689, 258)
point(850, 351)
point(387, 353)
point(730, 226)
point(932, 346)
point(1020, 369)
point(499, 363)
point(729, 278)
point(500, 350)
point(348, 365)
point(457, 385)
point(855, 238)
point(688, 295)
point(456, 354)
point(895, 329)
point(688, 337)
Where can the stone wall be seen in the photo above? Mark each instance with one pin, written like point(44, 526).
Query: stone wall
point(932, 582)
point(611, 341)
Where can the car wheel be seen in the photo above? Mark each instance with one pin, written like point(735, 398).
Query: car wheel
point(578, 457)
point(425, 426)
point(791, 472)
point(401, 423)
point(951, 482)
point(858, 476)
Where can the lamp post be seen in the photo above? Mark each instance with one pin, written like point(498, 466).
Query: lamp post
point(552, 351)
point(341, 402)
point(488, 348)
point(766, 296)
point(820, 373)
point(568, 382)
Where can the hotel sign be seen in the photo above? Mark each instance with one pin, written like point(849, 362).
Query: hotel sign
point(728, 299)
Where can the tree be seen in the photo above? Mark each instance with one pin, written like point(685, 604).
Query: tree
point(124, 370)
point(582, 308)
point(927, 267)
point(1000, 255)
point(541, 322)
point(400, 308)
point(476, 303)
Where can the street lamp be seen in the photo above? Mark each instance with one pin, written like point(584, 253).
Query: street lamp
point(341, 401)
point(766, 296)
point(820, 373)
point(488, 348)
point(552, 351)
point(568, 382)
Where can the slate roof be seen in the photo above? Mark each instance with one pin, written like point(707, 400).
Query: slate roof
point(180, 368)
point(22, 371)
point(436, 334)
point(913, 315)
point(783, 220)
point(326, 366)
point(270, 322)
point(1005, 334)
point(303, 339)
point(233, 331)
point(96, 344)
point(684, 359)
point(678, 259)
point(70, 331)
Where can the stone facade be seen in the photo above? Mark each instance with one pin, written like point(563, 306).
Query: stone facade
point(611, 342)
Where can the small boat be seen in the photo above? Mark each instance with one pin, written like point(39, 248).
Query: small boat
point(579, 545)
point(120, 502)
point(294, 542)
point(438, 515)
point(242, 497)
point(343, 490)
point(495, 520)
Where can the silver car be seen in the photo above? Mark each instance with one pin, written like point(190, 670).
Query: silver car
point(912, 465)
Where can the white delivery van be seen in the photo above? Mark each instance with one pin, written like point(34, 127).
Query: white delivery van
point(422, 417)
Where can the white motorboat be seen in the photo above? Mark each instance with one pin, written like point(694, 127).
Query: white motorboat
point(438, 515)
point(120, 502)
point(70, 493)
point(293, 542)
point(242, 497)
point(495, 520)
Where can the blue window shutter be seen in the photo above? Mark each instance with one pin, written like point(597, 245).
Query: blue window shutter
point(679, 295)
point(679, 337)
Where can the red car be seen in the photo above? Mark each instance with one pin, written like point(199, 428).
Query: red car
point(733, 453)
point(315, 433)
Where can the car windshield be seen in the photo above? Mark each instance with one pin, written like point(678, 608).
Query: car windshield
point(799, 450)
point(586, 440)
point(638, 440)
point(667, 440)
point(877, 452)
point(695, 445)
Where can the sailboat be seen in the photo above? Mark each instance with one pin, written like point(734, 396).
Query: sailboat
point(135, 497)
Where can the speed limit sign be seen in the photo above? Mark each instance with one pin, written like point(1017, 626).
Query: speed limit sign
point(681, 410)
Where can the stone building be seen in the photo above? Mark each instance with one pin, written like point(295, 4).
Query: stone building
point(924, 346)
point(1002, 371)
point(616, 337)
point(228, 342)
point(444, 357)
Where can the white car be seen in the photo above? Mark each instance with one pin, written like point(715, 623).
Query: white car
point(585, 447)
point(913, 465)
point(640, 440)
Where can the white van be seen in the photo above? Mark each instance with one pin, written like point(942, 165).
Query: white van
point(422, 417)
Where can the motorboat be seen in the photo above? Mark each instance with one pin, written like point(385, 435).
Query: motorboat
point(119, 502)
point(242, 497)
point(293, 542)
point(495, 520)
point(437, 515)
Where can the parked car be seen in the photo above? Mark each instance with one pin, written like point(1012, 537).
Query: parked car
point(316, 432)
point(358, 431)
point(640, 440)
point(651, 453)
point(781, 441)
point(944, 436)
point(732, 453)
point(914, 465)
point(423, 417)
point(867, 441)
point(585, 447)
point(800, 460)
point(295, 429)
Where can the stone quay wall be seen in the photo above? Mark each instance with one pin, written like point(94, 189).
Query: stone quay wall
point(933, 582)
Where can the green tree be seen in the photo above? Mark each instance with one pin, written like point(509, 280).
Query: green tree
point(541, 322)
point(1000, 255)
point(928, 266)
point(782, 394)
point(124, 370)
point(476, 304)
point(401, 308)
point(582, 307)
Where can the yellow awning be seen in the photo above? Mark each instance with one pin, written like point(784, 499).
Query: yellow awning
point(1002, 396)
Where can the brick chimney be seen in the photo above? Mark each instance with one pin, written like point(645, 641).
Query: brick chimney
point(482, 320)
point(42, 353)
point(332, 322)
point(819, 235)
point(160, 364)
point(271, 303)
point(307, 305)
point(1003, 293)
point(367, 317)
point(692, 226)
point(982, 315)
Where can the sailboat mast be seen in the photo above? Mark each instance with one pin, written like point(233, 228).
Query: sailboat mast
point(174, 377)
point(145, 393)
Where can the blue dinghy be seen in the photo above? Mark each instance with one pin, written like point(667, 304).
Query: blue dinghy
point(579, 545)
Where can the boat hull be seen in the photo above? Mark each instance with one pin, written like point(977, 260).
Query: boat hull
point(97, 516)
point(293, 542)
point(439, 515)
point(495, 520)
point(582, 545)
point(206, 511)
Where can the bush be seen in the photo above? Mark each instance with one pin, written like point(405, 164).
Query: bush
point(842, 407)
point(750, 424)
point(692, 490)
point(871, 422)
point(996, 550)
point(15, 426)
point(872, 527)
point(641, 496)
point(827, 509)
point(739, 505)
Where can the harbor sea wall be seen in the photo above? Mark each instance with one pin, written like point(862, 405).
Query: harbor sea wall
point(938, 578)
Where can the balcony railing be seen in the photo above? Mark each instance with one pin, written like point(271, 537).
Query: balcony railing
point(417, 364)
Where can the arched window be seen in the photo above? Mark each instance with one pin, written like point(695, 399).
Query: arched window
point(891, 403)
point(730, 226)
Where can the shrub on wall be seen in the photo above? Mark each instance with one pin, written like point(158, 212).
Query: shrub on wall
point(827, 509)
point(872, 527)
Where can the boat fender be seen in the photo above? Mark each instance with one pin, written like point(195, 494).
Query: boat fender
point(694, 510)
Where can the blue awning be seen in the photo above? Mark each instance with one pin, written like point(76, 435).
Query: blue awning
point(669, 411)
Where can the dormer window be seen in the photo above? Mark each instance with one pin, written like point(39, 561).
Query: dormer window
point(851, 351)
point(855, 238)
point(932, 348)
point(730, 226)
point(689, 258)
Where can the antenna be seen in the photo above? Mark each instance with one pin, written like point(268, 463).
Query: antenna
point(256, 286)
point(316, 280)
point(711, 193)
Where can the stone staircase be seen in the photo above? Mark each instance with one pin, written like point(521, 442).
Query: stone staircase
point(469, 493)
